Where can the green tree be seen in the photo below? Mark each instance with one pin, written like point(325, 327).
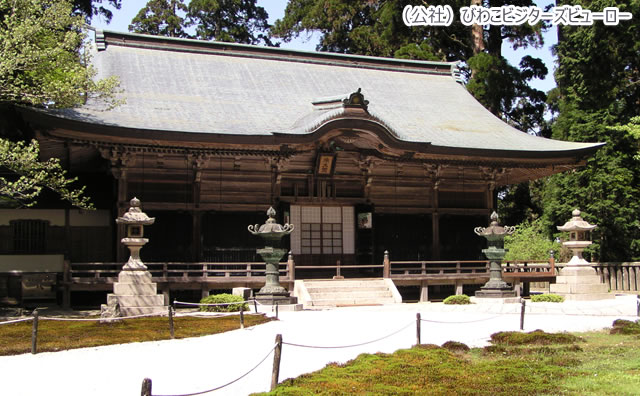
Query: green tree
point(41, 62)
point(375, 27)
point(161, 18)
point(530, 241)
point(237, 21)
point(91, 8)
point(598, 78)
point(42, 65)
point(30, 176)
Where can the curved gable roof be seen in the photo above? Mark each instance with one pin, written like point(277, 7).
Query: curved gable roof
point(193, 86)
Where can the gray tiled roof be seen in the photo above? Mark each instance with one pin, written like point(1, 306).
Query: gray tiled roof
point(170, 87)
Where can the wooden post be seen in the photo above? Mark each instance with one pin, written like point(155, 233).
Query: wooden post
point(418, 320)
point(291, 266)
point(424, 291)
point(146, 387)
point(66, 288)
point(255, 304)
point(276, 362)
point(524, 302)
point(242, 316)
point(338, 274)
point(277, 311)
point(171, 329)
point(386, 270)
point(34, 332)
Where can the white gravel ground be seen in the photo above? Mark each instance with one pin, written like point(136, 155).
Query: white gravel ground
point(185, 366)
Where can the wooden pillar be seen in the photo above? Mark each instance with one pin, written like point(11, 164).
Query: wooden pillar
point(517, 287)
point(196, 247)
point(121, 206)
point(435, 230)
point(424, 291)
point(490, 200)
point(435, 223)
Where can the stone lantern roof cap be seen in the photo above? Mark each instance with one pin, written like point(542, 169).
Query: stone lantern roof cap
point(135, 215)
point(576, 223)
point(494, 228)
point(270, 226)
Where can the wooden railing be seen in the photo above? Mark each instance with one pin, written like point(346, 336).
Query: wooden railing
point(172, 271)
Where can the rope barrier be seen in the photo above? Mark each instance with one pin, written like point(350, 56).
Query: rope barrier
point(100, 319)
point(349, 346)
point(210, 305)
point(15, 321)
point(466, 321)
point(231, 382)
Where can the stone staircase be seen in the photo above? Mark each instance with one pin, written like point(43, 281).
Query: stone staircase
point(345, 292)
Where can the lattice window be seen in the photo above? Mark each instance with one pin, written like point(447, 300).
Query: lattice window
point(29, 236)
point(321, 238)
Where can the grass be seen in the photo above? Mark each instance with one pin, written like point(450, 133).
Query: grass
point(57, 336)
point(536, 363)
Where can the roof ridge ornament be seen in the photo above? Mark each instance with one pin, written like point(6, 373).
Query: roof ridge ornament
point(356, 99)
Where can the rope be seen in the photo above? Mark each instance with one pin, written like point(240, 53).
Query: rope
point(15, 321)
point(229, 383)
point(99, 319)
point(210, 305)
point(349, 346)
point(466, 321)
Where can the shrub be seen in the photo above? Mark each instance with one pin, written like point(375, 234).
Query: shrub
point(222, 299)
point(621, 326)
point(547, 298)
point(530, 242)
point(459, 299)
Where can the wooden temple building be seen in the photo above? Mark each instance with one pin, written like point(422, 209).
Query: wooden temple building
point(362, 154)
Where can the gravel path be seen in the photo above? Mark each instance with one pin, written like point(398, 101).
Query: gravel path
point(178, 367)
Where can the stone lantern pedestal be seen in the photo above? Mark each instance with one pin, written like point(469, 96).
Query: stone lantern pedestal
point(496, 287)
point(578, 280)
point(272, 293)
point(135, 293)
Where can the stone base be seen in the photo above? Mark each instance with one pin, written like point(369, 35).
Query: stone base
point(281, 308)
point(276, 299)
point(580, 284)
point(495, 293)
point(134, 294)
point(495, 300)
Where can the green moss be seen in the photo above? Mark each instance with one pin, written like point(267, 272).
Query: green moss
point(223, 298)
point(460, 299)
point(621, 326)
point(554, 298)
point(537, 337)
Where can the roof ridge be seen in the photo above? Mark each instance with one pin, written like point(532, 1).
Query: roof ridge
point(104, 38)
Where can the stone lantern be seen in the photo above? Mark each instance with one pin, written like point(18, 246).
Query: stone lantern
point(578, 280)
point(495, 233)
point(579, 237)
point(272, 293)
point(135, 220)
point(134, 293)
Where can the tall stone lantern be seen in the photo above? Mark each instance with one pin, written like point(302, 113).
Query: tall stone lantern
point(134, 293)
point(578, 280)
point(135, 220)
point(496, 287)
point(579, 237)
point(272, 292)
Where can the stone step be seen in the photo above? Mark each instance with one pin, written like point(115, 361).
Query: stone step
point(351, 294)
point(351, 301)
point(588, 297)
point(345, 283)
point(134, 277)
point(338, 289)
point(583, 279)
point(156, 300)
point(135, 288)
point(578, 288)
point(133, 311)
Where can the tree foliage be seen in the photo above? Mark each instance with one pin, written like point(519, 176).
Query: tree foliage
point(530, 241)
point(375, 27)
point(598, 95)
point(41, 62)
point(236, 21)
point(90, 8)
point(161, 18)
point(32, 175)
point(42, 65)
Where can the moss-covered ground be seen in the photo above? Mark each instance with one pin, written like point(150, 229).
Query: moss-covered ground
point(536, 363)
point(56, 335)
